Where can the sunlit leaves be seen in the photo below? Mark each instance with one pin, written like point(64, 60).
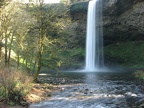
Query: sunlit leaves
point(36, 33)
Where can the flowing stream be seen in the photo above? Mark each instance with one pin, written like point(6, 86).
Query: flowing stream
point(96, 90)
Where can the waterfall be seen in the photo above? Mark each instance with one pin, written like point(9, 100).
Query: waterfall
point(94, 37)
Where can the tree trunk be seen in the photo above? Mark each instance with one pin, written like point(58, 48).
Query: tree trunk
point(0, 53)
point(6, 51)
point(38, 65)
point(18, 58)
point(40, 42)
point(9, 56)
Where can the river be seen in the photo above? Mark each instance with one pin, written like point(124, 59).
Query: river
point(96, 90)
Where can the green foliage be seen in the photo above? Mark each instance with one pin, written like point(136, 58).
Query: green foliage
point(34, 29)
point(127, 54)
point(3, 2)
point(72, 57)
point(42, 35)
point(51, 20)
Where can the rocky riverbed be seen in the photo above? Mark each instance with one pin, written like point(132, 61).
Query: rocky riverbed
point(96, 91)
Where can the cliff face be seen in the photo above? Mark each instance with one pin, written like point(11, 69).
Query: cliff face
point(122, 20)
point(123, 26)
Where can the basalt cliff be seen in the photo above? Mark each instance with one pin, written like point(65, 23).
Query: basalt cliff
point(123, 26)
point(122, 19)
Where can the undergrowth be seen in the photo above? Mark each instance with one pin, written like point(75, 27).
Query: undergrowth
point(14, 85)
point(139, 74)
point(129, 54)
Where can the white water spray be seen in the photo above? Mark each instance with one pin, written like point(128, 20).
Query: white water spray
point(94, 37)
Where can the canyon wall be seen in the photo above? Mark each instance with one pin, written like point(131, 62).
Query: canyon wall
point(123, 20)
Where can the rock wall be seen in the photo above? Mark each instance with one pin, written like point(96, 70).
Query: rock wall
point(123, 20)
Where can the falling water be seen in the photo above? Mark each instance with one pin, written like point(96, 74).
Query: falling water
point(94, 38)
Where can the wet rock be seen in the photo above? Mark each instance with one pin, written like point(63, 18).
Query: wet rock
point(141, 100)
point(134, 99)
point(141, 106)
point(62, 89)
point(75, 89)
point(23, 103)
point(130, 94)
point(91, 91)
point(86, 89)
point(85, 92)
point(63, 81)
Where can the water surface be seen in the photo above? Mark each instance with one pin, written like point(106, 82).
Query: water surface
point(96, 90)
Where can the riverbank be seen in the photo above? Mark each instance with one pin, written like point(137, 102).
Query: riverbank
point(39, 92)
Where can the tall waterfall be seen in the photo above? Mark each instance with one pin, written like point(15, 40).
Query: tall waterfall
point(94, 37)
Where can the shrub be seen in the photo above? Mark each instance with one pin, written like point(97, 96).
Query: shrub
point(139, 74)
point(14, 85)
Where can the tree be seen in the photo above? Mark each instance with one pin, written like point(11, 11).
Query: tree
point(15, 25)
point(32, 35)
point(50, 19)
point(24, 42)
point(41, 35)
point(6, 19)
point(2, 2)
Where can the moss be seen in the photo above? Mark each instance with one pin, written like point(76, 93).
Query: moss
point(129, 54)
